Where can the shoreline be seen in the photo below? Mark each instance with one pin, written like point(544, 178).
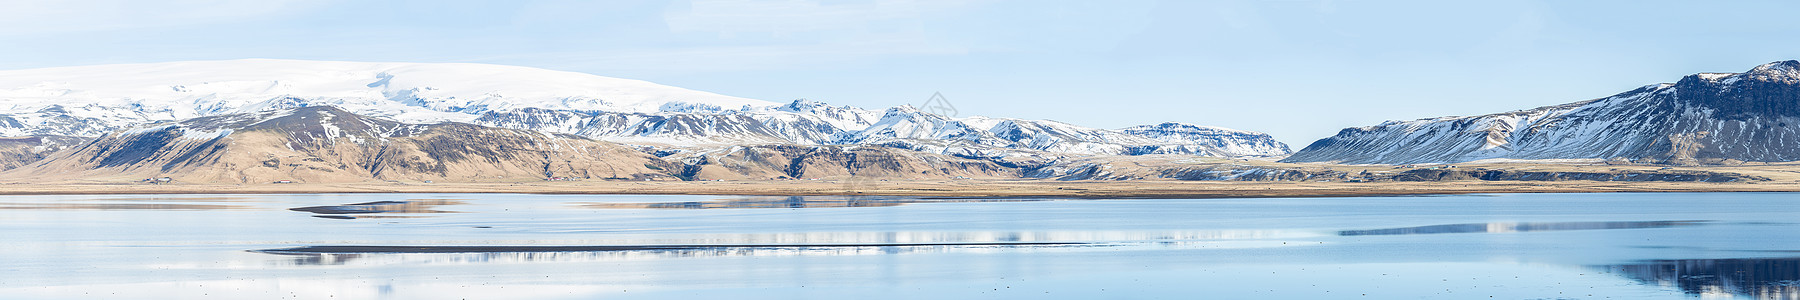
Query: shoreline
point(1149, 189)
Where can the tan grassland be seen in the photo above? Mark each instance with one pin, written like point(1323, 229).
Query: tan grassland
point(1783, 177)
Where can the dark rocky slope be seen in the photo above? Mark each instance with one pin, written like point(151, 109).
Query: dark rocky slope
point(1708, 118)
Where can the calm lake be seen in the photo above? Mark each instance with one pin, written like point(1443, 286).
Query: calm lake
point(507, 246)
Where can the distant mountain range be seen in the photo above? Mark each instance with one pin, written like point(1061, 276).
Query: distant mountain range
point(247, 121)
point(1704, 118)
point(262, 119)
point(94, 100)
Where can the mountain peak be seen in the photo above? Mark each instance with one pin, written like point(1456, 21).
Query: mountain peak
point(903, 109)
point(805, 103)
point(1782, 71)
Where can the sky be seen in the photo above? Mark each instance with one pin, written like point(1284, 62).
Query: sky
point(1300, 70)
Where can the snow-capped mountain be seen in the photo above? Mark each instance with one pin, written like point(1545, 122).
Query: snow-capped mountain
point(1180, 138)
point(1707, 117)
point(800, 122)
point(89, 100)
point(813, 123)
point(94, 100)
point(907, 127)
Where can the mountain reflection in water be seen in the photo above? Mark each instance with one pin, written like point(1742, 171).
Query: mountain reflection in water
point(117, 206)
point(1757, 278)
point(783, 244)
point(796, 202)
point(414, 206)
point(1499, 227)
point(127, 203)
point(523, 255)
point(529, 246)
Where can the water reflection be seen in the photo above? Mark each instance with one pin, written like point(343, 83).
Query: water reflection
point(1498, 227)
point(1759, 278)
point(1117, 249)
point(378, 255)
point(333, 259)
point(413, 206)
point(116, 206)
point(795, 202)
point(320, 259)
point(125, 203)
point(616, 248)
point(463, 255)
point(344, 217)
point(939, 237)
point(174, 199)
point(782, 244)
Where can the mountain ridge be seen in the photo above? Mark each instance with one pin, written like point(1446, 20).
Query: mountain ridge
point(1702, 118)
point(324, 144)
point(94, 100)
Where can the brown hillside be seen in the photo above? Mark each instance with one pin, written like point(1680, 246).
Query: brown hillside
point(325, 144)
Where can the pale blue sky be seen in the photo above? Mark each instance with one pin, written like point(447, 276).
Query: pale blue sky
point(1300, 70)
